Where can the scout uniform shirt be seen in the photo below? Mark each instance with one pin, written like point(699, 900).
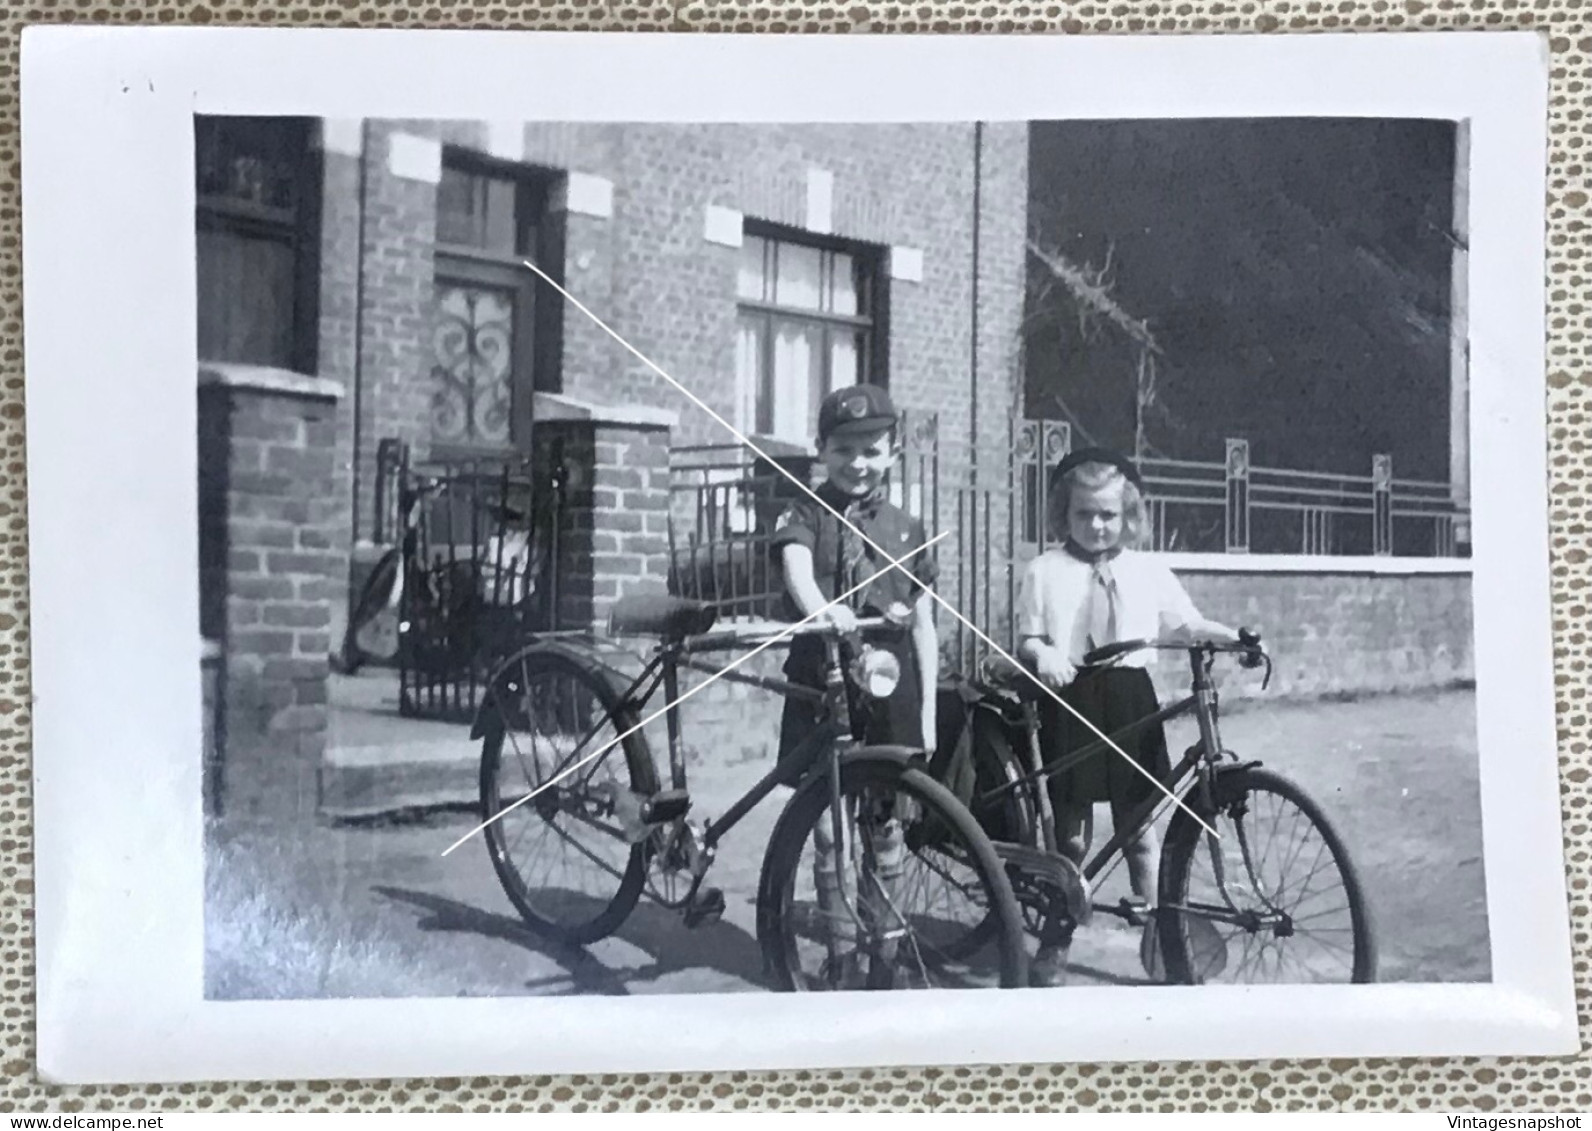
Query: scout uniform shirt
point(1060, 593)
point(1077, 605)
point(841, 561)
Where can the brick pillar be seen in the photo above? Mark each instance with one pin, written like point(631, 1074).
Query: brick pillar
point(614, 518)
point(273, 558)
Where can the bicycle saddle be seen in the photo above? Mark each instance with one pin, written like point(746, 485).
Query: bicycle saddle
point(657, 614)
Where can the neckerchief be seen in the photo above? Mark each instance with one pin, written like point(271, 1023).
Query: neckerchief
point(852, 549)
point(1104, 598)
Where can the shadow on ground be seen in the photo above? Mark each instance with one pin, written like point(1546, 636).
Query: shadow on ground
point(652, 929)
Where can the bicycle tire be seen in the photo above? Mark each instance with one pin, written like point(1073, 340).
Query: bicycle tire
point(1013, 816)
point(373, 597)
point(1010, 818)
point(1236, 790)
point(542, 913)
point(860, 771)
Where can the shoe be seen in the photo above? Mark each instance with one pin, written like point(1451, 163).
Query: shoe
point(1049, 967)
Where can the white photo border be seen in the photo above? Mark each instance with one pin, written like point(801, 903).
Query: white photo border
point(108, 251)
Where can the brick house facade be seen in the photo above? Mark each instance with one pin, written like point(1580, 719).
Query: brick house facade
point(757, 265)
point(647, 225)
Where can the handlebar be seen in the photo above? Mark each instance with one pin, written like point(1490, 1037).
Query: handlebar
point(1247, 647)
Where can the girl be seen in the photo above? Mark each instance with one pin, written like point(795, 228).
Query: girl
point(1093, 590)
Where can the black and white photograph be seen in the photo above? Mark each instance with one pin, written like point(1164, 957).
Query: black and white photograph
point(665, 555)
point(458, 539)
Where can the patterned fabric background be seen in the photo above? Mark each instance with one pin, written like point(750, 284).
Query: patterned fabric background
point(1563, 1085)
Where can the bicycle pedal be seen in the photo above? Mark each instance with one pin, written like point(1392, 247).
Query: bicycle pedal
point(664, 806)
point(706, 909)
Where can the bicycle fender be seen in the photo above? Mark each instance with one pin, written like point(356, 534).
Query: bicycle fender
point(487, 713)
point(1223, 773)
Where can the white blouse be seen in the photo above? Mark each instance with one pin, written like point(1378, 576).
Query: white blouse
point(1054, 602)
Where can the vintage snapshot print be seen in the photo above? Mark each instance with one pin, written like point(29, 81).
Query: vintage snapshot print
point(647, 554)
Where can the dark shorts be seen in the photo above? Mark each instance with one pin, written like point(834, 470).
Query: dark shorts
point(1110, 699)
point(896, 721)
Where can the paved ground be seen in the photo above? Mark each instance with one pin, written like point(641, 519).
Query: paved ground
point(377, 911)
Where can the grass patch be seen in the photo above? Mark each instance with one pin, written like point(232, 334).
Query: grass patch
point(273, 930)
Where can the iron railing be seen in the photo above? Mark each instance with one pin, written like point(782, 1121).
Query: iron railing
point(480, 573)
point(1235, 507)
point(725, 506)
point(725, 502)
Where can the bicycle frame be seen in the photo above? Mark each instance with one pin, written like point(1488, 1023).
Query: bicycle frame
point(1202, 702)
point(663, 669)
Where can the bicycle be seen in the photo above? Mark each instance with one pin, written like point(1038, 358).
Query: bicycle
point(1235, 893)
point(437, 606)
point(576, 857)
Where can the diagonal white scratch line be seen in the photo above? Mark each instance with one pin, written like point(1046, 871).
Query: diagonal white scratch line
point(941, 601)
point(725, 670)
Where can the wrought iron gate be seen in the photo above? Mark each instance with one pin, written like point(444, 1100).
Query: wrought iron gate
point(480, 541)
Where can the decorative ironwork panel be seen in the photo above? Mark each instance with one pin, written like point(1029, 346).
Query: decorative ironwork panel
point(1026, 447)
point(1237, 496)
point(1058, 441)
point(1382, 504)
point(473, 364)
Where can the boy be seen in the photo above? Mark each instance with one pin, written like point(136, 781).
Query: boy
point(820, 557)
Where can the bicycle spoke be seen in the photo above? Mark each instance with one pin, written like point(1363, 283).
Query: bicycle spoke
point(910, 917)
point(562, 855)
point(1299, 919)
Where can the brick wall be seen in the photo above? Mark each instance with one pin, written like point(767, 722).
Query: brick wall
point(1348, 633)
point(273, 559)
point(672, 291)
point(399, 268)
point(638, 255)
point(613, 518)
point(339, 299)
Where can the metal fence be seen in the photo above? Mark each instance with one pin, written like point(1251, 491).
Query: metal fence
point(725, 503)
point(480, 546)
point(1235, 507)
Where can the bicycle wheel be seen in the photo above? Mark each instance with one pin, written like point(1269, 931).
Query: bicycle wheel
point(1278, 897)
point(565, 857)
point(912, 894)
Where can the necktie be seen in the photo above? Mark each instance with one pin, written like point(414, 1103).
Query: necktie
point(1102, 604)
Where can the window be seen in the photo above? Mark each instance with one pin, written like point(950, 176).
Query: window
point(807, 325)
point(485, 344)
point(258, 235)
